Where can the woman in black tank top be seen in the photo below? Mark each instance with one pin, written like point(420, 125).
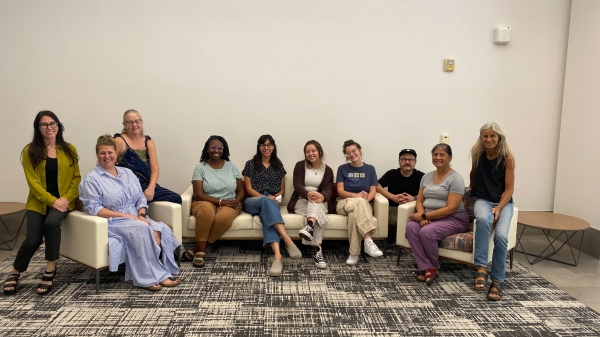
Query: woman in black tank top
point(492, 182)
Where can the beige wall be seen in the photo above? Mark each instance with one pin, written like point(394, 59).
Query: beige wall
point(577, 186)
point(325, 70)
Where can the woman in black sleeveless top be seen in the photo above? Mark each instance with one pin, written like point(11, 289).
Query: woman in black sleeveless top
point(492, 182)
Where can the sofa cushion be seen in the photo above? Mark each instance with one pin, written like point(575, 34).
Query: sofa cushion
point(462, 242)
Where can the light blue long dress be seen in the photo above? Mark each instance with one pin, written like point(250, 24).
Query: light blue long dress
point(129, 241)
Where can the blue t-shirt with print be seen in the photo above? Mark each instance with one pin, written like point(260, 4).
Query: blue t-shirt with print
point(356, 179)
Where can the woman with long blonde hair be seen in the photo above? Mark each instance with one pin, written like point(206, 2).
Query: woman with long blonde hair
point(492, 182)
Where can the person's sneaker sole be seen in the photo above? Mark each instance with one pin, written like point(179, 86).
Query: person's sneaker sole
point(321, 265)
point(305, 235)
point(375, 254)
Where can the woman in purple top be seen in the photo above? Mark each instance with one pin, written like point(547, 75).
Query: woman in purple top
point(356, 186)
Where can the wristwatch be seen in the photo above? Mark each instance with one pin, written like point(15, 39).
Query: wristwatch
point(424, 216)
point(142, 214)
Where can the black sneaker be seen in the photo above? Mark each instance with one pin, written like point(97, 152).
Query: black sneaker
point(319, 260)
point(307, 232)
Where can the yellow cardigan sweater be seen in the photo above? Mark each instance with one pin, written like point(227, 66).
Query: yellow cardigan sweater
point(68, 181)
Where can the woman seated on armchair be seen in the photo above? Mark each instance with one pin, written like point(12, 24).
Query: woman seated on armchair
point(439, 213)
point(146, 246)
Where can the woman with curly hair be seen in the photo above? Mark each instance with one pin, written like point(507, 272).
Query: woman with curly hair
point(218, 195)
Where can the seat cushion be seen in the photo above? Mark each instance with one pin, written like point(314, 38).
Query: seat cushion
point(462, 242)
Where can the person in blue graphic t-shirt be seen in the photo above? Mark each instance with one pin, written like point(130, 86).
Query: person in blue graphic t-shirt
point(356, 186)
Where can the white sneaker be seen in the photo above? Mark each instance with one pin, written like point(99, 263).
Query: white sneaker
point(372, 249)
point(319, 260)
point(352, 260)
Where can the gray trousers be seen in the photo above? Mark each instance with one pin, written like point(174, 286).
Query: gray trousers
point(313, 210)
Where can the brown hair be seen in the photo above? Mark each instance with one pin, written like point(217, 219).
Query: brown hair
point(319, 149)
point(350, 142)
point(105, 140)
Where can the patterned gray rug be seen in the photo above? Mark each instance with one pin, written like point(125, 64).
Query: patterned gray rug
point(232, 296)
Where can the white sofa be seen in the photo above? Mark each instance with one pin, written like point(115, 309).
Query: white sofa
point(404, 211)
point(84, 238)
point(248, 227)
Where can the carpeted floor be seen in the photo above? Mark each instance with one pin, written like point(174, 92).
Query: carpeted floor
point(232, 296)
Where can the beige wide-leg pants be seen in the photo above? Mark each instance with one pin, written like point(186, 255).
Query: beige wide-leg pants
point(360, 220)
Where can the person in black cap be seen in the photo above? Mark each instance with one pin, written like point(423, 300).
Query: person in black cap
point(402, 184)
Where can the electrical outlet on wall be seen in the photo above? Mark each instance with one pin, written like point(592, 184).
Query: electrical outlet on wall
point(445, 138)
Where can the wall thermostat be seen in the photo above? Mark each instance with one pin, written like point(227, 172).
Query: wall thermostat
point(449, 65)
point(502, 35)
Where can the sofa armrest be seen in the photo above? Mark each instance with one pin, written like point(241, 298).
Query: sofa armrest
point(84, 238)
point(186, 205)
point(169, 213)
point(404, 211)
point(380, 212)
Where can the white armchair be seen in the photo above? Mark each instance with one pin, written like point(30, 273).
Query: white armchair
point(84, 238)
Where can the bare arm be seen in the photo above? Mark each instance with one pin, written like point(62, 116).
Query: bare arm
point(240, 191)
point(154, 168)
point(120, 143)
point(471, 177)
point(509, 182)
point(282, 189)
point(381, 190)
point(372, 193)
point(199, 195)
point(107, 213)
point(249, 190)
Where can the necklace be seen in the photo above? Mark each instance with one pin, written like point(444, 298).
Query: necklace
point(315, 171)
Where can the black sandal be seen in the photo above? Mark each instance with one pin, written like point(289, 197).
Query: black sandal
point(47, 287)
point(483, 282)
point(186, 255)
point(11, 278)
point(494, 290)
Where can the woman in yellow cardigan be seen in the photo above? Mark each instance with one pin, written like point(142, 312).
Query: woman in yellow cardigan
point(52, 172)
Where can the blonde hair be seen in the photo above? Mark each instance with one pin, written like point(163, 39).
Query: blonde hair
point(105, 140)
point(502, 150)
point(130, 111)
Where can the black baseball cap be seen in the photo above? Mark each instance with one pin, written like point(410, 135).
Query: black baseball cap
point(411, 151)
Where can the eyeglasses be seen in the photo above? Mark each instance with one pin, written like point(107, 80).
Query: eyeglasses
point(48, 125)
point(407, 160)
point(135, 121)
point(351, 152)
point(214, 148)
point(270, 146)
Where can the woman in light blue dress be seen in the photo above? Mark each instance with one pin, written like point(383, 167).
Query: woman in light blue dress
point(144, 245)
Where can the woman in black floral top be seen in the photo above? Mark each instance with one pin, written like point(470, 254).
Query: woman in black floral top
point(264, 179)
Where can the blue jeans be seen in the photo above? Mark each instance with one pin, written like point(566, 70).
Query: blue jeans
point(484, 221)
point(268, 212)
